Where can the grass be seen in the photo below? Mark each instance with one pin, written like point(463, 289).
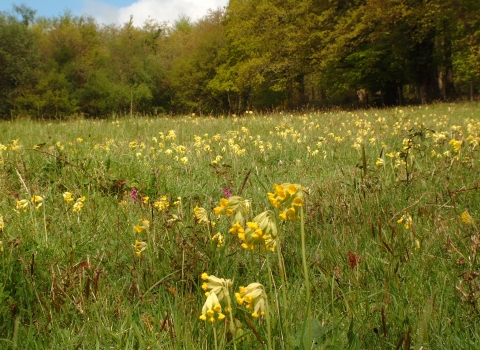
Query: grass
point(391, 208)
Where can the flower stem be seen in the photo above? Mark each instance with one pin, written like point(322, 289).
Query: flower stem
point(283, 276)
point(215, 336)
point(269, 331)
point(305, 272)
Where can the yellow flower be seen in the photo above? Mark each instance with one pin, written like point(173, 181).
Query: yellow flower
point(467, 218)
point(139, 247)
point(406, 219)
point(456, 145)
point(22, 205)
point(238, 230)
point(162, 204)
point(211, 308)
point(68, 197)
point(219, 286)
point(201, 215)
point(235, 207)
point(254, 297)
point(219, 238)
point(2, 225)
point(288, 198)
point(1, 246)
point(380, 162)
point(143, 226)
point(37, 200)
point(77, 207)
point(261, 232)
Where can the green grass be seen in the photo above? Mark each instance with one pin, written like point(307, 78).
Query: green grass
point(73, 281)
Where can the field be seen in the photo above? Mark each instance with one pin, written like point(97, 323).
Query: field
point(325, 230)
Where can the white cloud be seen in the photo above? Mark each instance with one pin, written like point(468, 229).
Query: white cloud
point(160, 10)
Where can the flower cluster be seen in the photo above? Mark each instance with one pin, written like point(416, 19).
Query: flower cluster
point(235, 207)
point(37, 201)
point(161, 204)
point(406, 220)
point(139, 247)
point(24, 204)
point(143, 225)
point(261, 232)
point(254, 297)
point(78, 205)
point(201, 216)
point(288, 198)
point(467, 218)
point(216, 291)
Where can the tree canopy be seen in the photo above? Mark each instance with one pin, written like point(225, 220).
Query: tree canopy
point(253, 54)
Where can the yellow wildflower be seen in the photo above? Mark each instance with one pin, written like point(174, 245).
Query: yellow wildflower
point(467, 218)
point(68, 197)
point(406, 220)
point(37, 201)
point(219, 238)
point(254, 297)
point(456, 145)
point(143, 226)
point(217, 285)
point(162, 204)
point(139, 247)
point(201, 215)
point(22, 205)
point(380, 162)
point(77, 207)
point(288, 198)
point(211, 308)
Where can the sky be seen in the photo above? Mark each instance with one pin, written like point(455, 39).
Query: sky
point(119, 11)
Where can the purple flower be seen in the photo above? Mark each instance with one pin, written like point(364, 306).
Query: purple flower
point(227, 192)
point(134, 195)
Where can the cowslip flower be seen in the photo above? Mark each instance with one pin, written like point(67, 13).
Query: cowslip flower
point(456, 145)
point(212, 308)
point(22, 205)
point(161, 204)
point(254, 297)
point(261, 232)
point(467, 218)
point(139, 247)
point(380, 162)
point(68, 197)
point(217, 285)
point(233, 206)
point(37, 201)
point(143, 225)
point(238, 230)
point(77, 207)
point(201, 215)
point(288, 198)
point(406, 220)
point(219, 238)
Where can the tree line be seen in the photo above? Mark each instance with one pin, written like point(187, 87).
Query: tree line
point(253, 54)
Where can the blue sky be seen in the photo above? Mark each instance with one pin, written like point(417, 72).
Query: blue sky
point(119, 11)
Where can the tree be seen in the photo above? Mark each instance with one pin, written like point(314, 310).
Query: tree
point(19, 58)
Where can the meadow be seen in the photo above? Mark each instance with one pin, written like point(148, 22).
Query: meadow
point(316, 230)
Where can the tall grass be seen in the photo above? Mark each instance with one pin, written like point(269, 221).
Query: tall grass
point(391, 210)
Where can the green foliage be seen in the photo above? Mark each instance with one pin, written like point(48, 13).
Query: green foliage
point(252, 55)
